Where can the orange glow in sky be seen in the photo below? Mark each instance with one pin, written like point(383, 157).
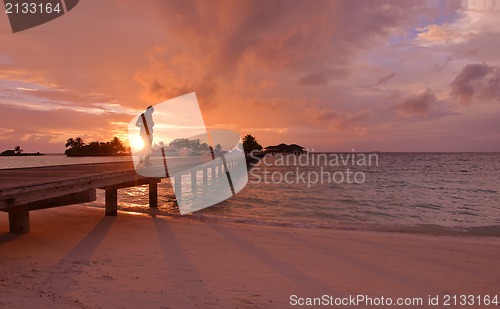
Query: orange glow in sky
point(328, 75)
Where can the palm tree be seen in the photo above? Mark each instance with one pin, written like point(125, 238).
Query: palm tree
point(18, 149)
point(117, 145)
point(79, 142)
point(70, 142)
point(251, 144)
point(75, 142)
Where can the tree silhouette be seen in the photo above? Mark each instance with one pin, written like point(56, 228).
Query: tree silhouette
point(18, 149)
point(117, 145)
point(75, 142)
point(79, 142)
point(251, 144)
point(70, 143)
point(186, 143)
point(78, 147)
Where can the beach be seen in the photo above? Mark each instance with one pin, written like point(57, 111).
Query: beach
point(77, 257)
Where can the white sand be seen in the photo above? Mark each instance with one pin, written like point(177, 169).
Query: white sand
point(77, 257)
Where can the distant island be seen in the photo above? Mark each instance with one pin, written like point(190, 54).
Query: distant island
point(251, 145)
point(18, 152)
point(285, 149)
point(78, 148)
point(254, 150)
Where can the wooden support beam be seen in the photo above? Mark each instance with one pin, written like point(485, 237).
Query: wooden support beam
point(19, 220)
point(63, 200)
point(178, 187)
point(213, 173)
point(111, 202)
point(153, 195)
point(193, 181)
point(134, 183)
point(205, 176)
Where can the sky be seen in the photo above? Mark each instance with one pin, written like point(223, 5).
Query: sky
point(328, 75)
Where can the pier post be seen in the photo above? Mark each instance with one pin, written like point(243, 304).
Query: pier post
point(213, 173)
point(178, 186)
point(193, 181)
point(153, 195)
point(19, 220)
point(111, 202)
point(205, 176)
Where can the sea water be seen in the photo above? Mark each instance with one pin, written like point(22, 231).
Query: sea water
point(413, 192)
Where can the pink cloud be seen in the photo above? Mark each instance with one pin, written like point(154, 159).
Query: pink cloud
point(479, 80)
point(420, 104)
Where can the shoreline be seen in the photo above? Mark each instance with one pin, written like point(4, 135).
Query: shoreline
point(421, 229)
point(77, 257)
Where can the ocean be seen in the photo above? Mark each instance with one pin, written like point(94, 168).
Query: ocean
point(408, 192)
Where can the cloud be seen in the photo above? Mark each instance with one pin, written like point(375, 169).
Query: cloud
point(314, 79)
point(214, 45)
point(65, 97)
point(420, 104)
point(49, 129)
point(381, 80)
point(330, 118)
point(476, 80)
point(473, 19)
point(83, 52)
point(437, 34)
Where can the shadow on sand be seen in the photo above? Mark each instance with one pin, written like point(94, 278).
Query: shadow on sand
point(5, 238)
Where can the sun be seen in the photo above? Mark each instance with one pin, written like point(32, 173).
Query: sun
point(136, 143)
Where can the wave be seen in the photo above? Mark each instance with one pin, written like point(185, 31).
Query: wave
point(426, 229)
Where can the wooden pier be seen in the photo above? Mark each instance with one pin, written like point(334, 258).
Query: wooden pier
point(25, 189)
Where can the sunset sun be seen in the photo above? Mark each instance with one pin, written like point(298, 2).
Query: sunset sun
point(136, 143)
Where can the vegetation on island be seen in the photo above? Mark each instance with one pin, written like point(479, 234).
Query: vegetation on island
point(250, 144)
point(18, 151)
point(193, 146)
point(115, 147)
point(285, 149)
point(78, 148)
point(185, 143)
point(254, 150)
